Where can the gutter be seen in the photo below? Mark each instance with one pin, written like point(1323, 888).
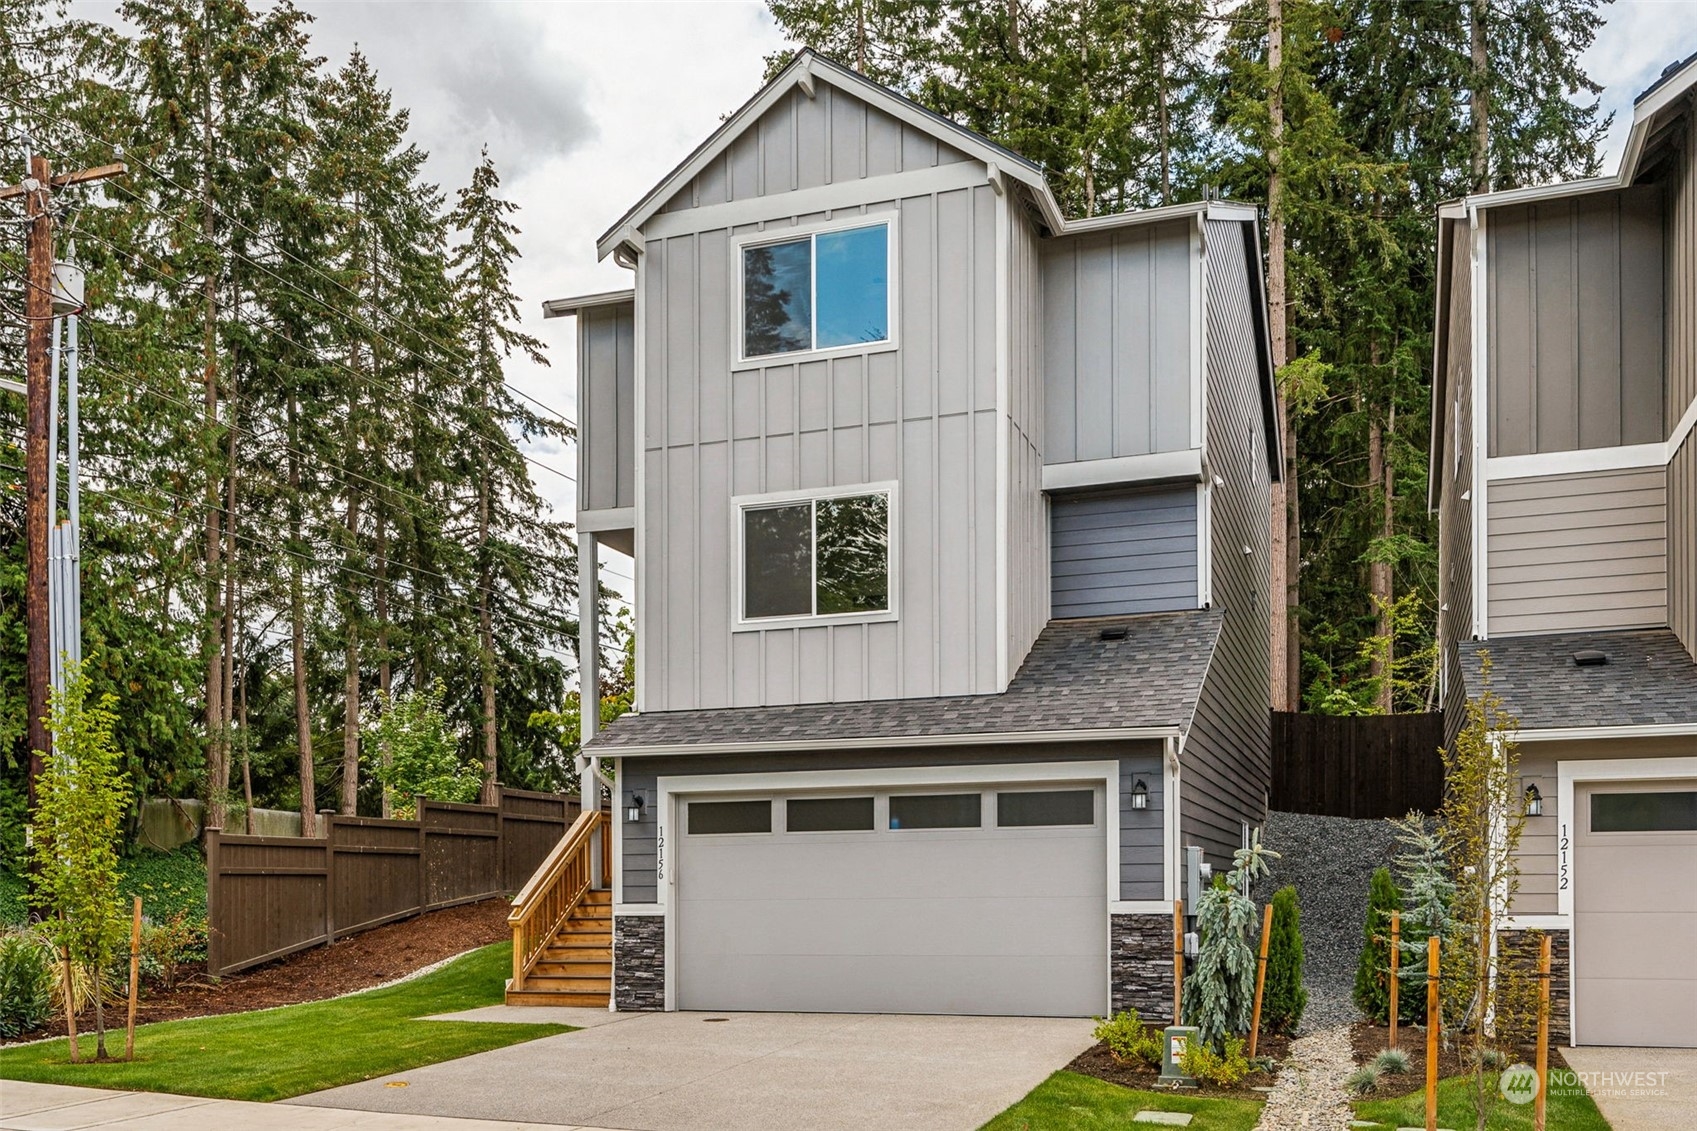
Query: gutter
point(999, 738)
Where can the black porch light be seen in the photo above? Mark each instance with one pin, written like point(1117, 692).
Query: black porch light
point(633, 811)
point(1534, 802)
point(1139, 795)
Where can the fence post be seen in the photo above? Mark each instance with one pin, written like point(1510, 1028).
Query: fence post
point(419, 806)
point(500, 839)
point(214, 880)
point(327, 821)
point(1396, 951)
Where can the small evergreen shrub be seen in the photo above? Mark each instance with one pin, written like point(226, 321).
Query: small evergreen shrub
point(1129, 1039)
point(1224, 1069)
point(1372, 972)
point(1391, 1062)
point(1493, 1060)
point(1364, 1081)
point(1284, 997)
point(1219, 994)
point(26, 983)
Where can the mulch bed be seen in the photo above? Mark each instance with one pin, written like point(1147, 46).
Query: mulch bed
point(1097, 1061)
point(354, 963)
point(1369, 1040)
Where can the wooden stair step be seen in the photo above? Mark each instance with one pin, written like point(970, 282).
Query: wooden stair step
point(577, 952)
point(541, 983)
point(532, 997)
point(571, 968)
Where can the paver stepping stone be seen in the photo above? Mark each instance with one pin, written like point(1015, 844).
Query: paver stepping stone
point(1166, 1118)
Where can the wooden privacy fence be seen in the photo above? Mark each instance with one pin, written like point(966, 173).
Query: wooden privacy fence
point(267, 896)
point(1363, 766)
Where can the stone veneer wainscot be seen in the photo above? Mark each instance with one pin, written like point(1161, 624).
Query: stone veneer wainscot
point(1140, 965)
point(639, 962)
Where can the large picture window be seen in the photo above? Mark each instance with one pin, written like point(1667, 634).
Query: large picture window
point(817, 557)
point(820, 291)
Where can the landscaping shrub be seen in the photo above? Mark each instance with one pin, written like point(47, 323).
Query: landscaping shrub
point(1219, 994)
point(1391, 1062)
point(1224, 1069)
point(1129, 1039)
point(1493, 1060)
point(166, 947)
point(171, 884)
point(26, 983)
point(1423, 873)
point(1364, 1081)
point(1372, 973)
point(14, 911)
point(1285, 996)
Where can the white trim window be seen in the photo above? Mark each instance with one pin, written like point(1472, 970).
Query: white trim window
point(808, 556)
point(812, 291)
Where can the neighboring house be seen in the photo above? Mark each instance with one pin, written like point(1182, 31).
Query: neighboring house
point(1564, 473)
point(950, 527)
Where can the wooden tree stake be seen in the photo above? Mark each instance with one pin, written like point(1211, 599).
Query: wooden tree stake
point(1396, 952)
point(70, 1008)
point(1260, 978)
point(1543, 1034)
point(135, 976)
point(1432, 1023)
point(1178, 961)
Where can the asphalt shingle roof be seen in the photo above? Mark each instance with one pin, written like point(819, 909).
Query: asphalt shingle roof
point(1650, 678)
point(1073, 680)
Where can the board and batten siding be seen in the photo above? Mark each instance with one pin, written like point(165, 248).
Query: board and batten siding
point(1682, 543)
point(1123, 552)
point(922, 413)
point(1578, 551)
point(1455, 505)
point(1227, 760)
point(1575, 322)
point(1682, 386)
point(803, 142)
point(606, 442)
point(1028, 506)
point(1118, 333)
point(1142, 869)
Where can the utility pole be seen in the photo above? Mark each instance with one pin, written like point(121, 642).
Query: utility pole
point(37, 192)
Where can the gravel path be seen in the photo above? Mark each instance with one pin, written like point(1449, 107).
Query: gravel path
point(1309, 1092)
point(1330, 860)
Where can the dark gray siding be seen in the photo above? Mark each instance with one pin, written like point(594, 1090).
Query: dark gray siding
point(1575, 320)
point(1126, 552)
point(1455, 451)
point(1141, 865)
point(606, 358)
point(1117, 343)
point(1226, 764)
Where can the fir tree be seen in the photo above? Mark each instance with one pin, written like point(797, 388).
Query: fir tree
point(1372, 971)
point(1285, 997)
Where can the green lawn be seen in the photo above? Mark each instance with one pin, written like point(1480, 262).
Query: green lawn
point(277, 1053)
point(1570, 1109)
point(1070, 1101)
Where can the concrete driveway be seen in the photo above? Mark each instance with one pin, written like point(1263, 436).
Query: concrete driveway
point(1639, 1089)
point(732, 1071)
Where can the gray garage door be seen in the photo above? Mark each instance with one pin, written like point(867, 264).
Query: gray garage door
point(940, 900)
point(1635, 914)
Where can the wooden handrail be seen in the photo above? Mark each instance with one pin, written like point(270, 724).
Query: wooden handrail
point(553, 891)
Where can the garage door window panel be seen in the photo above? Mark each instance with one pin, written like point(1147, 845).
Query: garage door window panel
point(828, 814)
point(937, 811)
point(1659, 812)
point(713, 818)
point(1045, 808)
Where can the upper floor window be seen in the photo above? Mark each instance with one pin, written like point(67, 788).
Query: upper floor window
point(824, 290)
point(816, 557)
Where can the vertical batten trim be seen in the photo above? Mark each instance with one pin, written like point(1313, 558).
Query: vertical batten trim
point(1198, 397)
point(639, 537)
point(1004, 425)
point(1481, 414)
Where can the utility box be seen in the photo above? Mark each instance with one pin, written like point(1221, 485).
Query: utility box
point(1175, 1042)
point(1198, 875)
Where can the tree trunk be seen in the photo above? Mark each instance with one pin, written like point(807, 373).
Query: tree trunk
point(486, 642)
point(1480, 103)
point(1282, 582)
point(1165, 126)
point(216, 763)
point(231, 565)
point(350, 690)
point(384, 673)
point(297, 637)
point(1379, 572)
point(99, 1014)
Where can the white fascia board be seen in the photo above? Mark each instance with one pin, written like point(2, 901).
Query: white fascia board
point(1233, 210)
point(1535, 193)
point(1572, 734)
point(1576, 462)
point(1181, 466)
point(606, 518)
point(1112, 220)
point(562, 307)
point(794, 745)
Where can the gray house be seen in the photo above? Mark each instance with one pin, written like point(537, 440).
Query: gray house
point(949, 521)
point(1564, 473)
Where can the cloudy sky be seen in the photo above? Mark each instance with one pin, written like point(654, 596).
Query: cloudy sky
point(584, 106)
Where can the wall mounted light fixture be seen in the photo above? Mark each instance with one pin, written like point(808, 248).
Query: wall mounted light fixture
point(633, 811)
point(1139, 795)
point(1534, 802)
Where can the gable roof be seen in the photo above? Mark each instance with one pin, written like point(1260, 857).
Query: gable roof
point(1649, 679)
point(1073, 681)
point(804, 71)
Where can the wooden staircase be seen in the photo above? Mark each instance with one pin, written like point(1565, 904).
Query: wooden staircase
point(563, 924)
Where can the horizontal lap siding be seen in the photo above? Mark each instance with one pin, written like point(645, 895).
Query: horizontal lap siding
point(1455, 506)
point(1117, 338)
point(1587, 550)
point(1576, 335)
point(1142, 869)
point(1227, 754)
point(1131, 552)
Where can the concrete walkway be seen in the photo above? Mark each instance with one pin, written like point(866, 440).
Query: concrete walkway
point(1639, 1089)
point(56, 1107)
point(728, 1072)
